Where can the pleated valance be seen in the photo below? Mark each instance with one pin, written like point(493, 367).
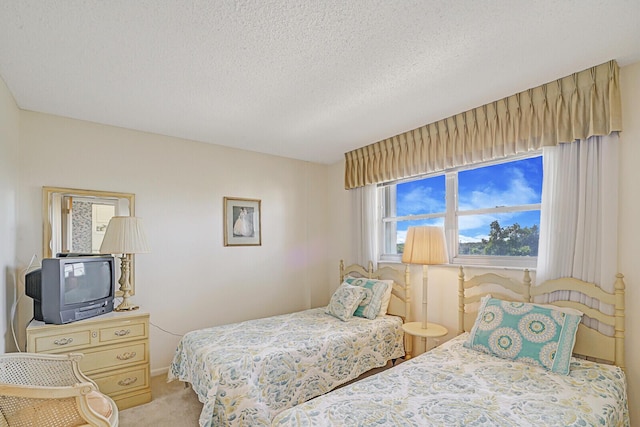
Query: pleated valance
point(578, 106)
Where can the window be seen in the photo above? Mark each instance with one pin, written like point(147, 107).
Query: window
point(490, 212)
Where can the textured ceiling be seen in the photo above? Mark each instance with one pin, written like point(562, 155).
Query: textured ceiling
point(303, 79)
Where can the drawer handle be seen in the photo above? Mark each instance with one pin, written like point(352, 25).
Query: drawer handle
point(127, 381)
point(122, 332)
point(126, 356)
point(63, 341)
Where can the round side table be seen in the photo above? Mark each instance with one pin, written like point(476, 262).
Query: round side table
point(433, 330)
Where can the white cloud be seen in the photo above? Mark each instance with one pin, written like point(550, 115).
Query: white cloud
point(420, 200)
point(469, 239)
point(518, 192)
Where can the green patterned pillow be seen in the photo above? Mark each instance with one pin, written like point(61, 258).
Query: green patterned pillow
point(525, 332)
point(372, 305)
point(345, 300)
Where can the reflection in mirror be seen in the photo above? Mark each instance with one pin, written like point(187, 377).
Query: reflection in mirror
point(75, 220)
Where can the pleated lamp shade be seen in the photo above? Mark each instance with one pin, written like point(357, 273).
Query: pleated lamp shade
point(124, 235)
point(426, 246)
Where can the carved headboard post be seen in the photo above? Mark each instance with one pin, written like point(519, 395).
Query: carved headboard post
point(341, 271)
point(370, 271)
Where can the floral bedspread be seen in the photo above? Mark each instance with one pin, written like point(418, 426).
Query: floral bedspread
point(246, 373)
point(456, 386)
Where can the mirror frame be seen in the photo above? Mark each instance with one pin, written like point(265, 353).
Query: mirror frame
point(47, 228)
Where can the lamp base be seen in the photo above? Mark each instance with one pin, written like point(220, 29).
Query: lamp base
point(125, 287)
point(125, 306)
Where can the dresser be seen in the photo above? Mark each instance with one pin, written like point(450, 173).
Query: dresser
point(115, 347)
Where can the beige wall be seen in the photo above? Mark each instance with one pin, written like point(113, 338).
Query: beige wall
point(628, 230)
point(9, 120)
point(443, 280)
point(189, 280)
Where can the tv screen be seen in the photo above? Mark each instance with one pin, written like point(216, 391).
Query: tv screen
point(86, 281)
point(67, 289)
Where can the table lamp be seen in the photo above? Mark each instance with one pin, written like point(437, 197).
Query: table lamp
point(124, 236)
point(426, 246)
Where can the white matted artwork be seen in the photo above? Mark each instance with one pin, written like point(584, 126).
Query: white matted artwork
point(242, 222)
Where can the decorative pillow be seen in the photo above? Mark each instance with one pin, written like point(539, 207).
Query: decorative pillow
point(373, 305)
point(567, 310)
point(386, 298)
point(345, 300)
point(526, 332)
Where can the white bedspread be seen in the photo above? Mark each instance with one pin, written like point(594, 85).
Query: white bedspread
point(246, 373)
point(456, 386)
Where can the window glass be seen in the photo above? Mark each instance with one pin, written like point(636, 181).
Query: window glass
point(491, 210)
point(424, 196)
point(416, 203)
point(507, 234)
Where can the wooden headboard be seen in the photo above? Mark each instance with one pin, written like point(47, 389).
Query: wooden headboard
point(400, 303)
point(467, 305)
point(590, 343)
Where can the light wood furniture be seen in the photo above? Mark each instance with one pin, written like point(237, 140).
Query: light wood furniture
point(115, 348)
point(433, 330)
point(400, 303)
point(590, 343)
point(50, 390)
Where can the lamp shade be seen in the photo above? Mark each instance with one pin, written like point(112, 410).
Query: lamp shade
point(426, 246)
point(124, 235)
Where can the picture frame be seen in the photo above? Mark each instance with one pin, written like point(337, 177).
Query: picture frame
point(242, 222)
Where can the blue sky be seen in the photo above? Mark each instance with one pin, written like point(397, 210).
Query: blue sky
point(513, 183)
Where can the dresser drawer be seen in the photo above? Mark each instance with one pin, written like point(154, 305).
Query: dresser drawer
point(62, 342)
point(115, 347)
point(123, 381)
point(110, 357)
point(92, 332)
point(123, 331)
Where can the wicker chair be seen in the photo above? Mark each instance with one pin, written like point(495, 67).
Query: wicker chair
point(47, 390)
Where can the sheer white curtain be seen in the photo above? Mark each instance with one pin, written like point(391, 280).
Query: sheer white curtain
point(365, 223)
point(578, 220)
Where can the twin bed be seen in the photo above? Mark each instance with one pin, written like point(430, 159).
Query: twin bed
point(246, 373)
point(460, 382)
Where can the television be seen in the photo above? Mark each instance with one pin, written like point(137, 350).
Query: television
point(70, 288)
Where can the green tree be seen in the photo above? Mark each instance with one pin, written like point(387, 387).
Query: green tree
point(512, 240)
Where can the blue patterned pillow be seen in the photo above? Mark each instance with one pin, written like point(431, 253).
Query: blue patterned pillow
point(525, 332)
point(371, 306)
point(345, 300)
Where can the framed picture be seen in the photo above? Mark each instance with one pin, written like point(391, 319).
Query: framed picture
point(242, 222)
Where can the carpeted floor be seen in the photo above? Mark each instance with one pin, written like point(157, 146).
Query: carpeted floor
point(173, 405)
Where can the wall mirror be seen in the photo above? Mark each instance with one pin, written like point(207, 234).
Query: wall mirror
point(75, 221)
